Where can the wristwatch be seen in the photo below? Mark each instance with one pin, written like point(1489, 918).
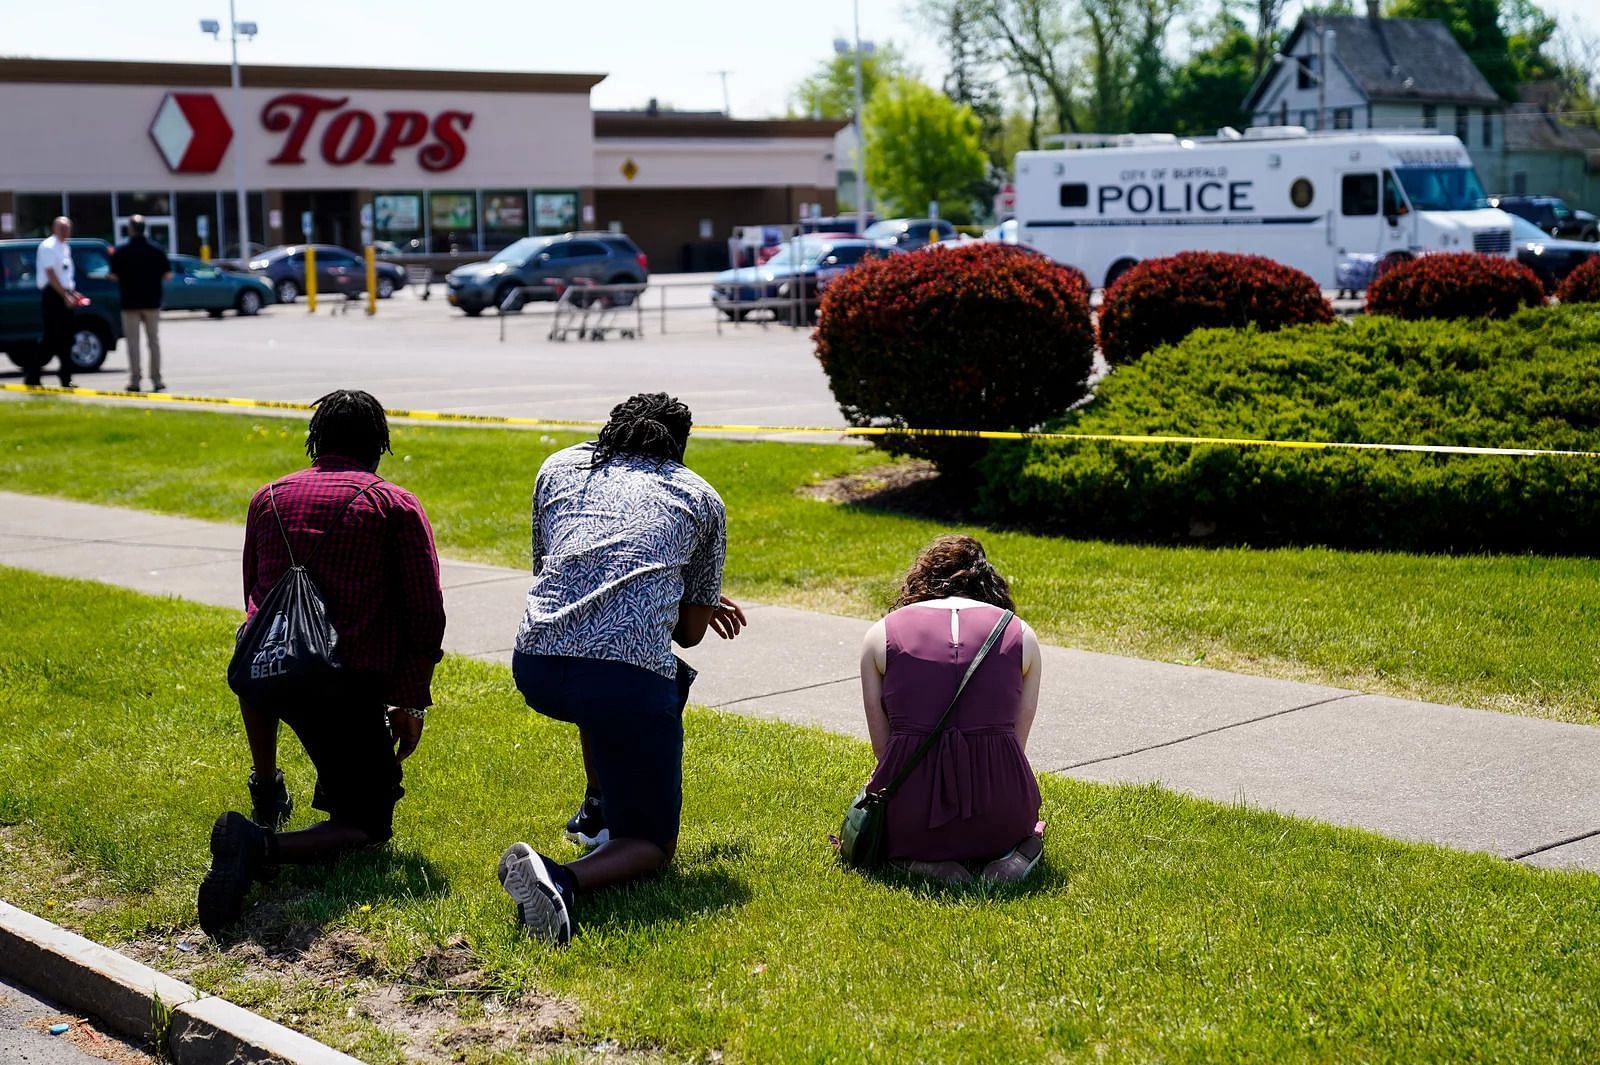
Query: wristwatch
point(416, 712)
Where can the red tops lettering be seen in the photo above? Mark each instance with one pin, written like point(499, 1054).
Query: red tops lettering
point(353, 135)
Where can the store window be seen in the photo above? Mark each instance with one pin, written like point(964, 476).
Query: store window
point(1343, 118)
point(195, 211)
point(1430, 116)
point(453, 221)
point(555, 212)
point(227, 238)
point(35, 212)
point(145, 203)
point(91, 215)
point(505, 218)
point(397, 218)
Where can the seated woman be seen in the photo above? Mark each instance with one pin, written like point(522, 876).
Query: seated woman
point(972, 803)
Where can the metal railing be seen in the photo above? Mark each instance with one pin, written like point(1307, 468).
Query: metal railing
point(574, 309)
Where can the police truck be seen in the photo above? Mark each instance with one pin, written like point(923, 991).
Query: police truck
point(1313, 201)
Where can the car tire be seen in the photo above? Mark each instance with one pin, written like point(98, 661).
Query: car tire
point(248, 304)
point(472, 312)
point(214, 312)
point(622, 299)
point(91, 343)
point(502, 292)
point(385, 288)
point(287, 291)
point(1118, 268)
point(1389, 262)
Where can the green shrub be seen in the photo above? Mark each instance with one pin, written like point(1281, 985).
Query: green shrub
point(1533, 381)
point(958, 336)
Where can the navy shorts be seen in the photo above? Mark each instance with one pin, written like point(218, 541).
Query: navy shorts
point(633, 720)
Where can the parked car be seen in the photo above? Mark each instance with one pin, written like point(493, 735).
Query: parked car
point(96, 328)
point(792, 280)
point(202, 286)
point(1004, 233)
point(844, 224)
point(339, 272)
point(1549, 257)
point(766, 254)
point(598, 258)
point(1551, 214)
point(908, 234)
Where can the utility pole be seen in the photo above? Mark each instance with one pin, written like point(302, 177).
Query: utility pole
point(248, 29)
point(861, 139)
point(727, 108)
point(1324, 47)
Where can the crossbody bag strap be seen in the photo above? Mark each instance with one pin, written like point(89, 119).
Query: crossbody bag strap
point(933, 737)
point(272, 500)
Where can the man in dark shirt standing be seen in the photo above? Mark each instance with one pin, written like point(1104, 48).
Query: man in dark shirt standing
point(369, 548)
point(139, 267)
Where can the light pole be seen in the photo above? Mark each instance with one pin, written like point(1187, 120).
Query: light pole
point(841, 46)
point(248, 29)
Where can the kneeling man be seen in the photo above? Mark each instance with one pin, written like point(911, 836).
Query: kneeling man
point(368, 548)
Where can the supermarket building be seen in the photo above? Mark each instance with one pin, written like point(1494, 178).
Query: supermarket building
point(453, 164)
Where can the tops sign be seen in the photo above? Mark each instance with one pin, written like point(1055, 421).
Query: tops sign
point(352, 135)
point(192, 133)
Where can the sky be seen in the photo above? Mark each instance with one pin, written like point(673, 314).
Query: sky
point(668, 49)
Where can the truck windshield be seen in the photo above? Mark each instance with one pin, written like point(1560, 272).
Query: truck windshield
point(1442, 188)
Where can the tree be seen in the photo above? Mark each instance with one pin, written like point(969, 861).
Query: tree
point(921, 147)
point(1269, 16)
point(830, 90)
point(1475, 24)
point(1034, 39)
point(1209, 89)
point(1149, 69)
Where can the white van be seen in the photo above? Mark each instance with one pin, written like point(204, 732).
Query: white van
point(1310, 201)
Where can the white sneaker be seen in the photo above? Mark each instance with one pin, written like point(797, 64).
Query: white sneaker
point(541, 905)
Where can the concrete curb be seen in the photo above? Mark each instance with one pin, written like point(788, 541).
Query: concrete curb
point(204, 1030)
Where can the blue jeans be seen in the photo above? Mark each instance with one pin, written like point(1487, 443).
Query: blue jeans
point(633, 720)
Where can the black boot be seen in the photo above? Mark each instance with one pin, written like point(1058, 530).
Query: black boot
point(239, 856)
point(270, 802)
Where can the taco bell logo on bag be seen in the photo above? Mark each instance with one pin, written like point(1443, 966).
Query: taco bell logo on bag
point(268, 662)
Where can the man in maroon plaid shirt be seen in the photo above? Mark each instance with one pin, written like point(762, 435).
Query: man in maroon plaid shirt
point(368, 546)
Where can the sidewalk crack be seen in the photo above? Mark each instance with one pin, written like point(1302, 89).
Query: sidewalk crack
point(1553, 846)
point(785, 691)
point(1207, 732)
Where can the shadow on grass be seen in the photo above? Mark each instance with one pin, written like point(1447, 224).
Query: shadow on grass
point(1044, 880)
point(287, 915)
point(684, 891)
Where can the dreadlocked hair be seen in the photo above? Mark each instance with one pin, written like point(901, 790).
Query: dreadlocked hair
point(348, 422)
point(954, 566)
point(652, 425)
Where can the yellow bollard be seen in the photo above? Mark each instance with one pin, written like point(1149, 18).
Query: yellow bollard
point(311, 279)
point(372, 280)
point(205, 253)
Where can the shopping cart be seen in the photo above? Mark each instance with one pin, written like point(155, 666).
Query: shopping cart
point(592, 312)
point(419, 275)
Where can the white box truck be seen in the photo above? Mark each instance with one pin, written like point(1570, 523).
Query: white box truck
point(1311, 201)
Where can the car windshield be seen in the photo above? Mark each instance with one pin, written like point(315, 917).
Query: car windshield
point(1522, 229)
point(809, 252)
point(1561, 210)
point(883, 230)
point(521, 251)
point(1442, 188)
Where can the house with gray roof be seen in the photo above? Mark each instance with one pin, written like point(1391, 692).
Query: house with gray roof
point(1369, 72)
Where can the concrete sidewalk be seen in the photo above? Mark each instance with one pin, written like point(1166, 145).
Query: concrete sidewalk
point(1518, 787)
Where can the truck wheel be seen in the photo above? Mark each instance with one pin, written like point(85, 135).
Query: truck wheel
point(1118, 268)
point(1389, 262)
point(91, 341)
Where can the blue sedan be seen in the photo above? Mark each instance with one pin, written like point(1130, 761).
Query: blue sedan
point(202, 286)
point(790, 281)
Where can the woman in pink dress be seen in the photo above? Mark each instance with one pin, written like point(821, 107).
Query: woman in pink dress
point(971, 807)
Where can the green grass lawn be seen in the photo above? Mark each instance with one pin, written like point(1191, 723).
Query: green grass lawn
point(1510, 633)
point(1159, 928)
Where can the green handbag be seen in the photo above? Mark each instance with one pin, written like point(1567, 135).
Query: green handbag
point(863, 838)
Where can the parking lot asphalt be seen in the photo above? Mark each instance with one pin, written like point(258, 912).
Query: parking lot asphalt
point(426, 355)
point(25, 1023)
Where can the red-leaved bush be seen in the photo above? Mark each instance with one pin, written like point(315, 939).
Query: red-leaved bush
point(1583, 284)
point(959, 336)
point(1161, 301)
point(1458, 284)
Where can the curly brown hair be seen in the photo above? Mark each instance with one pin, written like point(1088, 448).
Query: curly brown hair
point(954, 566)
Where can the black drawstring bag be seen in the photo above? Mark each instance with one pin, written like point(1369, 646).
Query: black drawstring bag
point(288, 645)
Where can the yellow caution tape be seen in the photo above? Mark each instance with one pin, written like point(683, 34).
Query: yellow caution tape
point(452, 418)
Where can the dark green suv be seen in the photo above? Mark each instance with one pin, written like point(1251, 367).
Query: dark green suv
point(96, 328)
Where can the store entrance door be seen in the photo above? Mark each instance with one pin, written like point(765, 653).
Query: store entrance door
point(333, 217)
point(158, 229)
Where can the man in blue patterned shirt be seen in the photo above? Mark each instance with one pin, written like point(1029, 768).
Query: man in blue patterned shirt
point(628, 546)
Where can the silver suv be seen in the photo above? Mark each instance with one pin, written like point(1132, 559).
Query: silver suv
point(601, 258)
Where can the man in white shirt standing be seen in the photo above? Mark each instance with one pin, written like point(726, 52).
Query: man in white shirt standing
point(58, 299)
